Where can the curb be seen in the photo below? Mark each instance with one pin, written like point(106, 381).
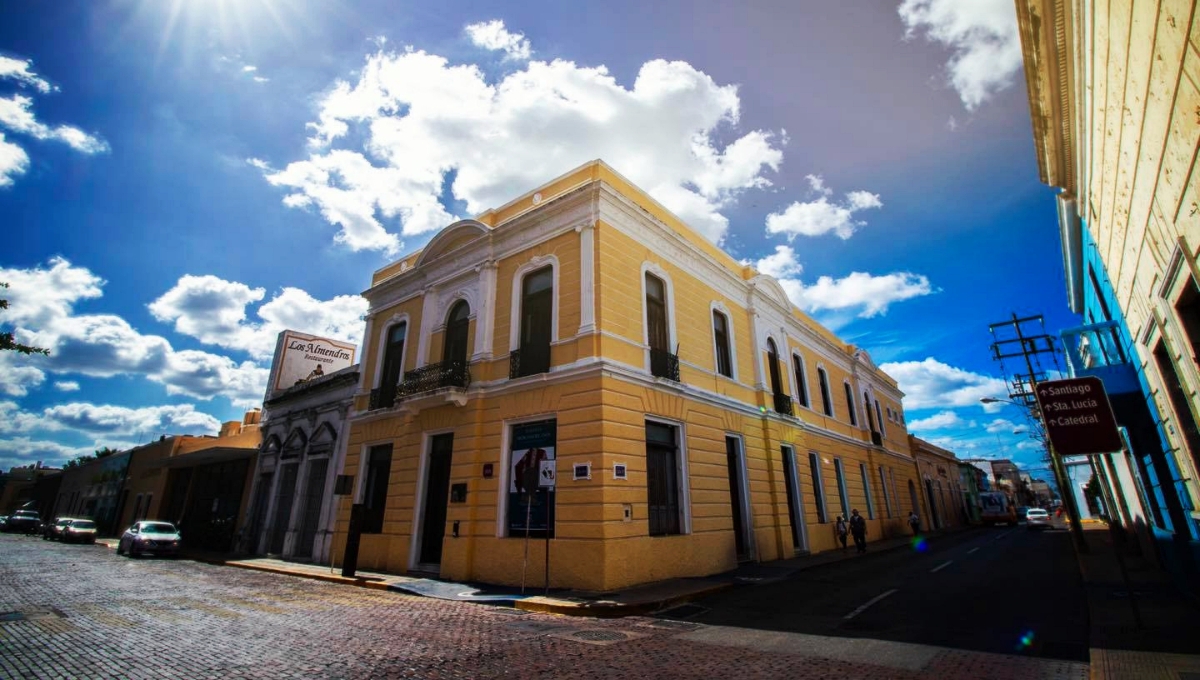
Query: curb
point(549, 605)
point(361, 583)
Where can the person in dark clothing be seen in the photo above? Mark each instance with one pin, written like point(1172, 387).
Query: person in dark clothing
point(858, 528)
point(914, 521)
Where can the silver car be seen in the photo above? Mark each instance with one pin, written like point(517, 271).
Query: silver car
point(149, 538)
point(78, 531)
point(1037, 518)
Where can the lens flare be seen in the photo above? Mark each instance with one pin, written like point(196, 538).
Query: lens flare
point(1025, 642)
point(919, 544)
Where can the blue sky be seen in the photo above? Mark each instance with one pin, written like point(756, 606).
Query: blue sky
point(181, 179)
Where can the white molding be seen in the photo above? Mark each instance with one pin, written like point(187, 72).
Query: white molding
point(485, 317)
point(587, 278)
point(532, 265)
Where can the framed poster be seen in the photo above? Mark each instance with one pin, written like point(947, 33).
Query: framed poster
point(532, 445)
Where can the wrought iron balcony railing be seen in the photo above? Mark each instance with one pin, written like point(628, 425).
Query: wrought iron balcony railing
point(783, 404)
point(435, 376)
point(528, 361)
point(381, 398)
point(876, 438)
point(663, 364)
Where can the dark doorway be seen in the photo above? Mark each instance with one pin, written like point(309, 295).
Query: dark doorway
point(792, 482)
point(934, 516)
point(437, 490)
point(284, 497)
point(1179, 398)
point(734, 463)
point(310, 507)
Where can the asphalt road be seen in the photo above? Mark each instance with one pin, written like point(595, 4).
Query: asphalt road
point(1003, 590)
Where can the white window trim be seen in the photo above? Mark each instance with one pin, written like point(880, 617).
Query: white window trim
point(514, 325)
point(819, 483)
point(653, 268)
point(848, 392)
point(744, 483)
point(714, 308)
point(824, 387)
point(418, 520)
point(381, 345)
point(506, 463)
point(796, 385)
point(794, 481)
point(869, 495)
point(685, 489)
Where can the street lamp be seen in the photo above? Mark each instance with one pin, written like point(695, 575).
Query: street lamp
point(1060, 475)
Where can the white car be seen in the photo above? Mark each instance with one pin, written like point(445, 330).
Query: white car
point(1037, 518)
point(149, 537)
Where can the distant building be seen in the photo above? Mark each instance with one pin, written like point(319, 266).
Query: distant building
point(937, 469)
point(93, 490)
point(31, 485)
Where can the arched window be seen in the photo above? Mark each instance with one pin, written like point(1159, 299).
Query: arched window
point(826, 399)
point(663, 362)
point(393, 363)
point(867, 408)
point(454, 347)
point(783, 403)
point(801, 385)
point(537, 311)
point(721, 339)
point(850, 404)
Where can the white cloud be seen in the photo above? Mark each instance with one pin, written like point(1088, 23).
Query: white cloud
point(491, 35)
point(66, 385)
point(941, 420)
point(13, 161)
point(24, 451)
point(20, 70)
point(261, 79)
point(952, 444)
point(17, 375)
point(982, 34)
point(42, 301)
point(933, 384)
point(150, 420)
point(16, 114)
point(249, 68)
point(1001, 425)
point(213, 311)
point(870, 294)
point(821, 216)
point(422, 119)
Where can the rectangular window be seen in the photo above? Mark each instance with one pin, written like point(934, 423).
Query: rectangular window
point(379, 469)
point(662, 478)
point(850, 404)
point(866, 479)
point(887, 497)
point(532, 444)
point(814, 462)
point(843, 496)
point(826, 400)
point(879, 417)
point(721, 336)
point(801, 385)
point(537, 316)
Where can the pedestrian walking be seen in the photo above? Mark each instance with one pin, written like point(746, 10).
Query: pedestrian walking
point(842, 530)
point(915, 522)
point(858, 527)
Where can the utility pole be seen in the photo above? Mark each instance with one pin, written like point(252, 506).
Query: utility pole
point(1014, 339)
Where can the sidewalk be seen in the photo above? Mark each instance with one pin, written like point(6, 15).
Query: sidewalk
point(1165, 641)
point(628, 602)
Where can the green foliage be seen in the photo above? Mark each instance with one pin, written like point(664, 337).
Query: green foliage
point(9, 343)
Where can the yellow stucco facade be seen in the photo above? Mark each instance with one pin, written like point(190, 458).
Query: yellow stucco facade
point(1114, 90)
point(747, 475)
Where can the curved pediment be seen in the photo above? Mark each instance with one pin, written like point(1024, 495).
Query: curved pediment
point(452, 237)
point(862, 355)
point(771, 287)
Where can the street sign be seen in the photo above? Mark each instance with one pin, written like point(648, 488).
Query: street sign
point(546, 478)
point(1078, 416)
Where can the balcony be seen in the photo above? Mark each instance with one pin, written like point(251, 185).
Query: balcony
point(528, 361)
point(783, 404)
point(1100, 350)
point(876, 438)
point(430, 385)
point(663, 364)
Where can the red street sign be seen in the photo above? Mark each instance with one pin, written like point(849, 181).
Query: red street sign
point(1078, 417)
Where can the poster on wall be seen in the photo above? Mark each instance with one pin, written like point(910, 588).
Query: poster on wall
point(300, 358)
point(532, 445)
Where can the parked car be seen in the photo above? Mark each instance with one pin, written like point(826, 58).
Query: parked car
point(79, 531)
point(149, 537)
point(52, 531)
point(1037, 518)
point(24, 522)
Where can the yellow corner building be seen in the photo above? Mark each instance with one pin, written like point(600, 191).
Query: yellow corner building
point(687, 414)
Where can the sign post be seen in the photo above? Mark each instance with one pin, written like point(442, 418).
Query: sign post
point(546, 481)
point(1078, 416)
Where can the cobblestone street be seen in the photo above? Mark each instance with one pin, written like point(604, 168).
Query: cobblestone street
point(83, 612)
